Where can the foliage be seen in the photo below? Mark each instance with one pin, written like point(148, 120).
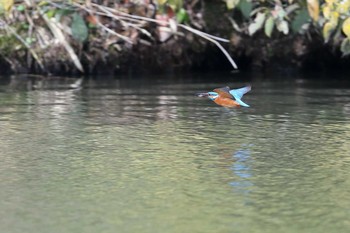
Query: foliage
point(71, 31)
point(330, 17)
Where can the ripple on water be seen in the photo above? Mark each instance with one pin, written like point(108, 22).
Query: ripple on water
point(158, 159)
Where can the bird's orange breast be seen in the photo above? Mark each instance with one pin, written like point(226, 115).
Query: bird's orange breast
point(226, 102)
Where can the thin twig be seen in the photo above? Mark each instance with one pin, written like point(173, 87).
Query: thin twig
point(211, 38)
point(60, 36)
point(223, 50)
point(30, 33)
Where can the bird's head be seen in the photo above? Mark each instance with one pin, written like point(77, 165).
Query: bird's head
point(213, 95)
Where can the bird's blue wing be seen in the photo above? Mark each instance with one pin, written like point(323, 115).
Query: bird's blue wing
point(242, 103)
point(238, 94)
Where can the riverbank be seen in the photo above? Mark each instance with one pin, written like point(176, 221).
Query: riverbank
point(95, 39)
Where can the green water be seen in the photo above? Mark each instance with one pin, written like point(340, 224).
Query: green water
point(148, 156)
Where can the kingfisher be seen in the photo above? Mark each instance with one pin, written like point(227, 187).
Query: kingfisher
point(227, 98)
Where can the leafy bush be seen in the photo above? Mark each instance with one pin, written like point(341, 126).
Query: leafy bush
point(330, 17)
point(68, 31)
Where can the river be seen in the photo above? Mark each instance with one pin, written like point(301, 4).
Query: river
point(146, 155)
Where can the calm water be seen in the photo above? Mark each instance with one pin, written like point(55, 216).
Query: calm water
point(148, 156)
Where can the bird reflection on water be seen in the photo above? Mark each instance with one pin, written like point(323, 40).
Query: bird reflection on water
point(242, 171)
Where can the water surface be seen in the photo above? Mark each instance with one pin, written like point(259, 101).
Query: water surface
point(146, 155)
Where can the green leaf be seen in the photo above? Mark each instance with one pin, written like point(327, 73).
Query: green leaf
point(301, 19)
point(175, 4)
point(269, 24)
point(346, 27)
point(327, 31)
point(326, 10)
point(161, 2)
point(231, 4)
point(21, 7)
point(24, 25)
point(282, 26)
point(343, 7)
point(345, 47)
point(257, 24)
point(79, 28)
point(313, 7)
point(42, 3)
point(29, 40)
point(291, 8)
point(334, 18)
point(245, 7)
point(182, 16)
point(51, 13)
point(280, 12)
point(61, 12)
point(6, 5)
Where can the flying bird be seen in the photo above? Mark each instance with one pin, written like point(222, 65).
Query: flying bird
point(227, 98)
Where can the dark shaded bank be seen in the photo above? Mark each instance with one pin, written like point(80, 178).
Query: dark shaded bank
point(286, 55)
point(175, 57)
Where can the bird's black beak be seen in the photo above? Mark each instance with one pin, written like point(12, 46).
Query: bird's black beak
point(202, 94)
